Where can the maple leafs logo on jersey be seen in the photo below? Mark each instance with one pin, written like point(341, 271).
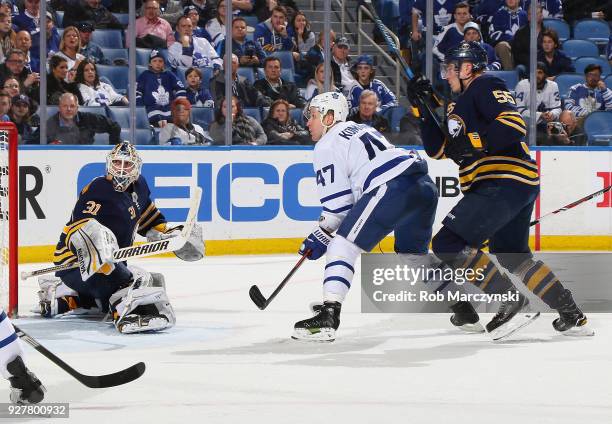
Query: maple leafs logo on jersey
point(161, 96)
point(335, 96)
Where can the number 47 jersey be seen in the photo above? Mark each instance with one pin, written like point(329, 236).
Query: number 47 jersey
point(352, 159)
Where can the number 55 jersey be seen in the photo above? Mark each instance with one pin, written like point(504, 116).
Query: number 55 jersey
point(486, 113)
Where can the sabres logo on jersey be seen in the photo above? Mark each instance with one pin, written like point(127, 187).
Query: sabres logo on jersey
point(456, 125)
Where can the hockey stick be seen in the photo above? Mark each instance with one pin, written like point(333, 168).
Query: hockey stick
point(565, 208)
point(142, 250)
point(94, 381)
point(259, 299)
point(573, 204)
point(395, 53)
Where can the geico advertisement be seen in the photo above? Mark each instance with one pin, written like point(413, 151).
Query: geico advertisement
point(268, 193)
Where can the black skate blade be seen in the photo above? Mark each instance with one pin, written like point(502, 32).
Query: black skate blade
point(515, 324)
point(258, 299)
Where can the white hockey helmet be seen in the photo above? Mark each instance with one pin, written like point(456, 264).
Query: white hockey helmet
point(123, 165)
point(329, 102)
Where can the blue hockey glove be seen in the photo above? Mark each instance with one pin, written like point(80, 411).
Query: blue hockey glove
point(317, 243)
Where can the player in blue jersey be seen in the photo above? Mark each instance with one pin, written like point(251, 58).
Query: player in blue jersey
point(25, 387)
point(368, 188)
point(109, 212)
point(500, 184)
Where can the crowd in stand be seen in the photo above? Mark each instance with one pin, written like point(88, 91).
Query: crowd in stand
point(277, 66)
point(503, 29)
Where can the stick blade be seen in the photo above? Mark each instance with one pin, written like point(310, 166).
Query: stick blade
point(115, 379)
point(258, 299)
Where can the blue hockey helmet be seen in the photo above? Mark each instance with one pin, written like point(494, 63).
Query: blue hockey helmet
point(468, 51)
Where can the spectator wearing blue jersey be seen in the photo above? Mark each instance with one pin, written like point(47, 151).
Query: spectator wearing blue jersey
point(249, 52)
point(484, 12)
point(28, 18)
point(156, 88)
point(504, 24)
point(442, 15)
point(471, 32)
point(272, 34)
point(452, 34)
point(197, 94)
point(364, 72)
point(589, 96)
point(554, 60)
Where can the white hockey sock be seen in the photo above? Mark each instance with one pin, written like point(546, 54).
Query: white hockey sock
point(339, 269)
point(10, 347)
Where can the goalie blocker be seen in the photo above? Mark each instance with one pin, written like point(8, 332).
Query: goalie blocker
point(99, 235)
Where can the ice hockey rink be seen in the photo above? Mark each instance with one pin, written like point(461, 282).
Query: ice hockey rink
point(228, 362)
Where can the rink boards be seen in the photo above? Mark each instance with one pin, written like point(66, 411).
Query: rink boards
point(263, 199)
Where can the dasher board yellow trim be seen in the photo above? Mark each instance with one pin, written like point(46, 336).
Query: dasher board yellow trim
point(291, 245)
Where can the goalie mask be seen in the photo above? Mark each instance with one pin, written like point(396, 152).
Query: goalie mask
point(326, 103)
point(123, 165)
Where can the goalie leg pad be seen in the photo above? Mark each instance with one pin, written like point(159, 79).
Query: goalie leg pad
point(56, 299)
point(138, 309)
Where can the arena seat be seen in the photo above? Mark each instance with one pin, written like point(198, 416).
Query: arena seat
point(123, 18)
point(598, 128)
point(253, 112)
point(143, 136)
point(566, 80)
point(395, 115)
point(142, 56)
point(577, 48)
point(286, 59)
point(561, 27)
point(110, 38)
point(203, 116)
point(112, 54)
point(121, 114)
point(248, 73)
point(510, 77)
point(59, 18)
point(595, 30)
point(298, 115)
point(117, 75)
point(582, 63)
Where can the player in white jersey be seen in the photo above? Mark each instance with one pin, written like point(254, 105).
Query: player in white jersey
point(368, 188)
point(25, 387)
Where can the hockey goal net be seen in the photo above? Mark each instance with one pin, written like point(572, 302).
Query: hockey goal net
point(8, 217)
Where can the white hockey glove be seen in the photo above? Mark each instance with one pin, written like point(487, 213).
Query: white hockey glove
point(93, 245)
point(162, 232)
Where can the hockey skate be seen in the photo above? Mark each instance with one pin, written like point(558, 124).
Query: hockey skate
point(466, 318)
point(322, 327)
point(571, 321)
point(139, 323)
point(25, 387)
point(511, 317)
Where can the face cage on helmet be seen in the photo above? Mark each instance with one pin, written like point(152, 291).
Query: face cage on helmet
point(121, 178)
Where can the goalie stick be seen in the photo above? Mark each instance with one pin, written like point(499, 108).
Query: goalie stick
point(142, 250)
point(93, 381)
point(258, 298)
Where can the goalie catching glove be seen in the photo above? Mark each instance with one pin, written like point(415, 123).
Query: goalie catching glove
point(194, 248)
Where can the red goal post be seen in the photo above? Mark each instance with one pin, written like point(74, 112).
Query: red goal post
point(9, 219)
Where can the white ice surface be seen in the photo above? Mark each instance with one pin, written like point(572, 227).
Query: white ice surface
point(228, 362)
